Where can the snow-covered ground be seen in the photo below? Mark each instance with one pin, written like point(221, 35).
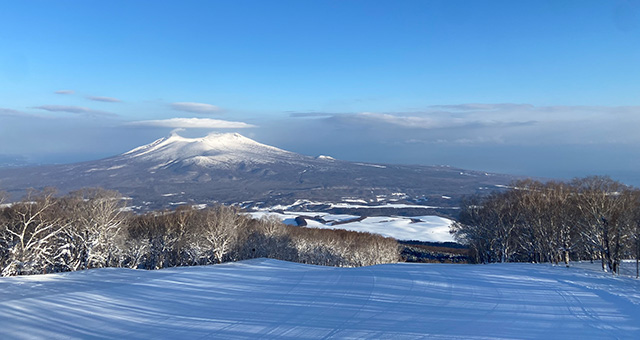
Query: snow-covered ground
point(627, 267)
point(348, 204)
point(273, 299)
point(418, 228)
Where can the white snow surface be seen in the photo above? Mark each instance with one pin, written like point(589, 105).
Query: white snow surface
point(328, 158)
point(428, 228)
point(270, 299)
point(418, 228)
point(215, 149)
point(387, 206)
point(346, 204)
point(372, 165)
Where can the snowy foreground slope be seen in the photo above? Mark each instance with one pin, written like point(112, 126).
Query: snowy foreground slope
point(273, 299)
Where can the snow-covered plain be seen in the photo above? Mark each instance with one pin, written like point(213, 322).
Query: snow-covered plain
point(418, 228)
point(273, 299)
point(348, 204)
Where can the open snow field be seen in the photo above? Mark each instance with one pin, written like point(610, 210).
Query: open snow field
point(273, 299)
point(418, 228)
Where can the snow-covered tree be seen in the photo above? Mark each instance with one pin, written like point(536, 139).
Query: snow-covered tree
point(90, 229)
point(220, 230)
point(602, 204)
point(97, 218)
point(31, 232)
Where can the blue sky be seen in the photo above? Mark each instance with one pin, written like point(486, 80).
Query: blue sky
point(542, 88)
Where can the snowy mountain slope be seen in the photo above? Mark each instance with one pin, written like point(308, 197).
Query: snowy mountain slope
point(230, 168)
point(214, 150)
point(270, 299)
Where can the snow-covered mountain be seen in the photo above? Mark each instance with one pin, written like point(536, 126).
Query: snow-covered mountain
point(230, 168)
point(213, 151)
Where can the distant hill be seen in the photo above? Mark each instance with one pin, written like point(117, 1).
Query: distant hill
point(232, 169)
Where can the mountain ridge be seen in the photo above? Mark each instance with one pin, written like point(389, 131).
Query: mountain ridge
point(232, 169)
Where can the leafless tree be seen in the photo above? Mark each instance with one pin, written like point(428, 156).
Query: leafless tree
point(97, 219)
point(601, 203)
point(32, 234)
point(220, 231)
point(491, 226)
point(592, 217)
point(90, 229)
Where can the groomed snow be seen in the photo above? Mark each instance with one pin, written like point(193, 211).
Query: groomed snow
point(271, 299)
point(419, 228)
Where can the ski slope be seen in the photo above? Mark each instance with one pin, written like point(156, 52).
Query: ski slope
point(271, 299)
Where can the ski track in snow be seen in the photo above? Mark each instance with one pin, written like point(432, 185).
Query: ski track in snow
point(272, 299)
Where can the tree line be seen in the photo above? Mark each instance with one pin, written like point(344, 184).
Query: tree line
point(593, 218)
point(92, 228)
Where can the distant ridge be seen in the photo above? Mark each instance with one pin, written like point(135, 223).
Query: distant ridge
point(233, 169)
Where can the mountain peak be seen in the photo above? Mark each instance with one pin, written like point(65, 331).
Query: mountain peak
point(213, 136)
point(227, 138)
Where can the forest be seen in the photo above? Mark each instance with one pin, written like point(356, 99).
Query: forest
point(587, 219)
point(91, 228)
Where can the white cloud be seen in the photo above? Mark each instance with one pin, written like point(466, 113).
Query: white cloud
point(311, 114)
point(508, 124)
point(482, 107)
point(403, 121)
point(65, 92)
point(104, 99)
point(196, 107)
point(75, 109)
point(198, 123)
